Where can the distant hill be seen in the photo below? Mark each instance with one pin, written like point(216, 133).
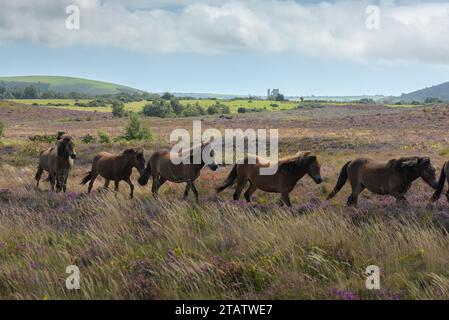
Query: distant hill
point(66, 85)
point(440, 91)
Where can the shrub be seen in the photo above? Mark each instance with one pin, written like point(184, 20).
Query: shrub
point(241, 110)
point(134, 129)
point(433, 100)
point(158, 108)
point(177, 107)
point(2, 129)
point(104, 137)
point(88, 139)
point(43, 138)
point(118, 109)
point(218, 108)
point(193, 110)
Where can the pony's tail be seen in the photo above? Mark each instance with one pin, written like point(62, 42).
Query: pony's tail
point(441, 182)
point(229, 180)
point(87, 178)
point(341, 181)
point(37, 177)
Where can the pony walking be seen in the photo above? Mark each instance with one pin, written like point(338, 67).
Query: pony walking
point(57, 161)
point(116, 168)
point(164, 165)
point(393, 177)
point(290, 171)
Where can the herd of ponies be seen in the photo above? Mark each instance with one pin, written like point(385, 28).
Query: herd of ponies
point(393, 177)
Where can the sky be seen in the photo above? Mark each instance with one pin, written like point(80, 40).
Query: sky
point(232, 46)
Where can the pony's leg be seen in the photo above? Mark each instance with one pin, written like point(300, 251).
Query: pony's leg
point(64, 187)
point(59, 182)
point(354, 197)
point(52, 180)
point(186, 191)
point(91, 183)
point(106, 184)
point(128, 181)
point(155, 186)
point(249, 192)
point(195, 192)
point(116, 183)
point(38, 176)
point(241, 183)
point(285, 197)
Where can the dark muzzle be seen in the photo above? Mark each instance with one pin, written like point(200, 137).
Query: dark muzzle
point(143, 180)
point(73, 156)
point(213, 166)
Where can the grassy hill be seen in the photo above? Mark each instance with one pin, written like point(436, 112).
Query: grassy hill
point(440, 91)
point(66, 85)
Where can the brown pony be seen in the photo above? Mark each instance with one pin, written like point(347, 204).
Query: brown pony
point(115, 167)
point(164, 165)
point(290, 170)
point(57, 161)
point(393, 177)
point(444, 175)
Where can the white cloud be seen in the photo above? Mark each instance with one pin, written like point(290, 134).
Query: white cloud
point(409, 32)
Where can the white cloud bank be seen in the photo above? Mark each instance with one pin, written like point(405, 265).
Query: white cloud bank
point(409, 32)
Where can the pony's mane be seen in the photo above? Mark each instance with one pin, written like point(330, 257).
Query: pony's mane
point(289, 164)
point(189, 152)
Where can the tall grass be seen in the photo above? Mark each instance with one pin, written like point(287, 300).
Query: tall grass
point(168, 249)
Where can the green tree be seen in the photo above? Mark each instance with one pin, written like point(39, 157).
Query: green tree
point(177, 107)
point(159, 108)
point(134, 130)
point(218, 108)
point(31, 92)
point(167, 96)
point(118, 109)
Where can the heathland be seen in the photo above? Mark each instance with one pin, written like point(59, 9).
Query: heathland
point(170, 248)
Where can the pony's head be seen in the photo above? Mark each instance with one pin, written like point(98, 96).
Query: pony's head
point(137, 158)
point(310, 163)
point(208, 155)
point(415, 167)
point(66, 147)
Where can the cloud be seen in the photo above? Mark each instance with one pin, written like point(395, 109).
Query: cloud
point(414, 31)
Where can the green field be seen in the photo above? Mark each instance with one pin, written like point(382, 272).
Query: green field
point(137, 106)
point(70, 84)
point(247, 104)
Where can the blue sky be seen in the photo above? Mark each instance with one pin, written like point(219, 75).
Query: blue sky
point(236, 47)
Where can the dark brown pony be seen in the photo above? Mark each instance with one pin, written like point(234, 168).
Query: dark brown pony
point(116, 168)
point(443, 177)
point(164, 165)
point(393, 177)
point(290, 170)
point(57, 161)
